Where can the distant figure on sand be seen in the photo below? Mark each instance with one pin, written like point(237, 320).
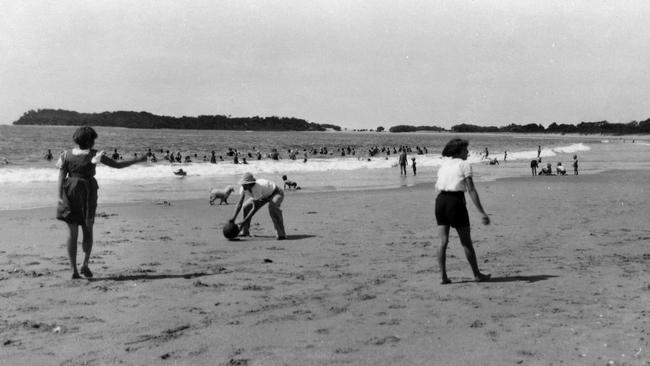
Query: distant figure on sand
point(533, 167)
point(48, 155)
point(415, 171)
point(402, 163)
point(575, 164)
point(505, 156)
point(559, 169)
point(289, 184)
point(486, 152)
point(539, 151)
point(261, 192)
point(548, 170)
point(77, 189)
point(454, 178)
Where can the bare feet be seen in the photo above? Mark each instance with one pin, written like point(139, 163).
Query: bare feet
point(445, 281)
point(75, 276)
point(86, 272)
point(482, 277)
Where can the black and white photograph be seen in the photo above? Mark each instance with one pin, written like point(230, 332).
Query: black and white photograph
point(324, 182)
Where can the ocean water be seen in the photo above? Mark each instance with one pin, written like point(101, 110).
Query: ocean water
point(28, 180)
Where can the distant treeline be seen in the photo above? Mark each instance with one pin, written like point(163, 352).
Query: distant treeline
point(406, 128)
point(602, 127)
point(147, 120)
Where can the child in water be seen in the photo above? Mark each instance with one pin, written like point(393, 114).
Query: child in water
point(77, 189)
point(413, 166)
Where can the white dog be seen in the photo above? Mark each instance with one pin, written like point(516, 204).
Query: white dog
point(222, 194)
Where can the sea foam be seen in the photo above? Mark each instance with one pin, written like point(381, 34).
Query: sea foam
point(147, 171)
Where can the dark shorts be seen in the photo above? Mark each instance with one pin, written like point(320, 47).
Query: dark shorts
point(451, 209)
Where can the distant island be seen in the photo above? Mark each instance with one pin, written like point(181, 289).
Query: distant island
point(58, 117)
point(585, 128)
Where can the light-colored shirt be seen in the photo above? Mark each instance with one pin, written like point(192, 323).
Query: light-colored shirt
point(452, 174)
point(262, 188)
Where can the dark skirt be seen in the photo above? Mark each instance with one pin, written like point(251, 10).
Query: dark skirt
point(451, 209)
point(79, 202)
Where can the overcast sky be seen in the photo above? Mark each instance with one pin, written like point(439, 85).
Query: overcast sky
point(357, 64)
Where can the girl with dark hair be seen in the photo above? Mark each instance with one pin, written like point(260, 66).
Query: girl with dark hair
point(77, 189)
point(454, 178)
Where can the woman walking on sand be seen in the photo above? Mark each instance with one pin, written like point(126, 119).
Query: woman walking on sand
point(454, 178)
point(78, 192)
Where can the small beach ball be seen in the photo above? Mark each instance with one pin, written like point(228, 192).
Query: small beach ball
point(230, 230)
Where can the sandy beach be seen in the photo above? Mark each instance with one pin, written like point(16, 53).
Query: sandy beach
point(357, 283)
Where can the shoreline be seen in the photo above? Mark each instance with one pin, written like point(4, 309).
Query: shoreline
point(345, 189)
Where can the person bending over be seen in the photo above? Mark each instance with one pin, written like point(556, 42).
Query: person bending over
point(255, 193)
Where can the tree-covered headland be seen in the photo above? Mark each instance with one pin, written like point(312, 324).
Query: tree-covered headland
point(148, 120)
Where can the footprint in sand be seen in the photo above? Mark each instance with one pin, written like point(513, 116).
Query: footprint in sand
point(346, 350)
point(237, 362)
point(381, 341)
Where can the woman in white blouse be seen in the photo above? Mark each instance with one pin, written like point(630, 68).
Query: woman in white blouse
point(454, 178)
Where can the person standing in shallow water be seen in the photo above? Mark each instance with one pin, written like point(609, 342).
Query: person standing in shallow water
point(77, 189)
point(402, 162)
point(454, 178)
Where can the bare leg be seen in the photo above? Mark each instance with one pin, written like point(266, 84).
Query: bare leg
point(87, 243)
point(442, 253)
point(466, 241)
point(72, 248)
point(276, 215)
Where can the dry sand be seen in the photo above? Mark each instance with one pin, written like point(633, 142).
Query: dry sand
point(356, 283)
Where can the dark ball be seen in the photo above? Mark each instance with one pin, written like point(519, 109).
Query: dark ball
point(230, 230)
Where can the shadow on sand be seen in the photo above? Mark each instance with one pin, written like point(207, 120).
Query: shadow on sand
point(150, 277)
point(272, 237)
point(529, 279)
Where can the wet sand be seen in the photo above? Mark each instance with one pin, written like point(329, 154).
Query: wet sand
point(356, 282)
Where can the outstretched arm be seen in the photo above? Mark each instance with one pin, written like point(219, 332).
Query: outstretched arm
point(473, 194)
point(121, 164)
point(238, 207)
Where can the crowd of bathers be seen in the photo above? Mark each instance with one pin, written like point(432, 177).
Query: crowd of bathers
point(240, 157)
point(376, 150)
